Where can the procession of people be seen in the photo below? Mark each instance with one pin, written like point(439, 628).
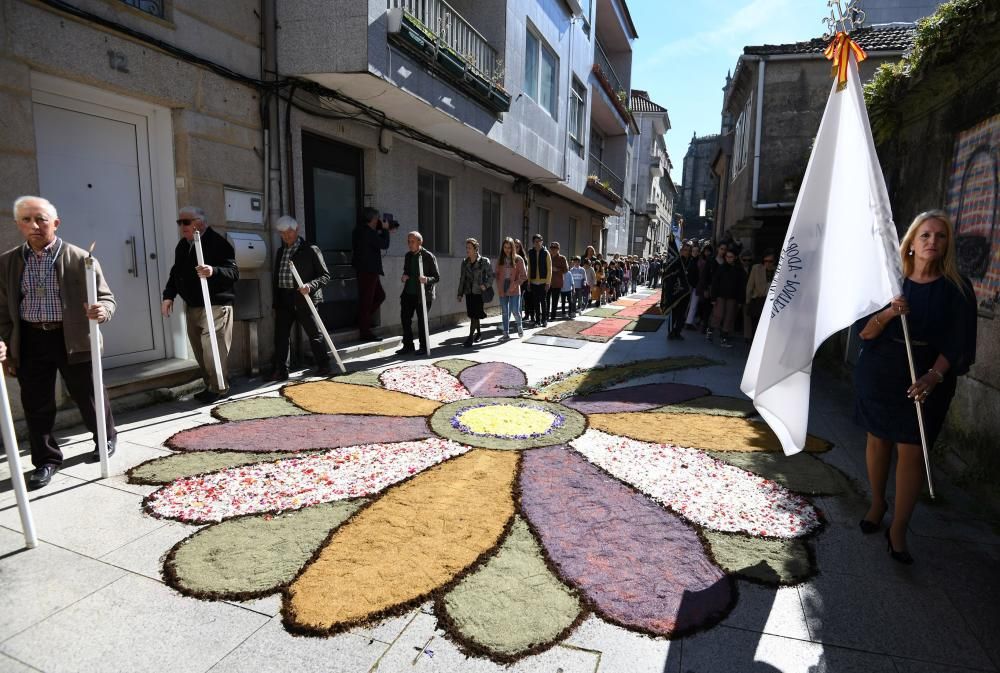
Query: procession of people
point(713, 287)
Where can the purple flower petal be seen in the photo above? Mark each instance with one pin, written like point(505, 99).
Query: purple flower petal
point(639, 564)
point(494, 379)
point(299, 433)
point(635, 398)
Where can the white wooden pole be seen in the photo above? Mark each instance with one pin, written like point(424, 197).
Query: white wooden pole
point(97, 371)
point(209, 315)
point(918, 403)
point(319, 321)
point(14, 464)
point(426, 327)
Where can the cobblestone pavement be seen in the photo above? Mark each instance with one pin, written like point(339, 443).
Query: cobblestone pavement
point(90, 597)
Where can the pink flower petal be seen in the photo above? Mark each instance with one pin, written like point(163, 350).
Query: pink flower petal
point(427, 381)
point(294, 483)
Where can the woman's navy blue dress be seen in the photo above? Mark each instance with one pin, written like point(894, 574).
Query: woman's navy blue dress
point(942, 321)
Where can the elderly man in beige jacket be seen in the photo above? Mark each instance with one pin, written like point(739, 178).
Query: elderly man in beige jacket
point(44, 324)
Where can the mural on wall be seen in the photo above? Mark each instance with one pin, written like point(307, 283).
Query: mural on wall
point(974, 204)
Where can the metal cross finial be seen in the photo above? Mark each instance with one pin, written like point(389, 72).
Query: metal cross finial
point(843, 19)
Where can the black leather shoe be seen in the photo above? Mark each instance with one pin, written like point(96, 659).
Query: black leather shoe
point(324, 370)
point(406, 350)
point(898, 556)
point(869, 527)
point(42, 476)
point(279, 375)
point(95, 455)
point(208, 396)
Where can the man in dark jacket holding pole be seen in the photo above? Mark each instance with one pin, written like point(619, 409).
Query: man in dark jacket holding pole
point(222, 273)
point(370, 238)
point(413, 283)
point(290, 299)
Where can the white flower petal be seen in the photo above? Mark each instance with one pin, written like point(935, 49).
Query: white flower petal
point(700, 488)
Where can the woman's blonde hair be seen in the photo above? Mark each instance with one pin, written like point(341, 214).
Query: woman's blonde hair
point(947, 266)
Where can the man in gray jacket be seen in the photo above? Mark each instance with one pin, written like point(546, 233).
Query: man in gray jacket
point(44, 322)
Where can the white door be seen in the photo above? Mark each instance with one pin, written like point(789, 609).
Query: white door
point(93, 164)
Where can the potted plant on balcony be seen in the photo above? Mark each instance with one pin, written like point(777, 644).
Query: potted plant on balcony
point(451, 61)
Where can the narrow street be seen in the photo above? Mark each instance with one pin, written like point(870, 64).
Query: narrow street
point(848, 606)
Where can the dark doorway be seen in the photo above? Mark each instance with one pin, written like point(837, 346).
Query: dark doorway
point(333, 184)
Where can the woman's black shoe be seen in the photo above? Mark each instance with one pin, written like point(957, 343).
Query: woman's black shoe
point(478, 337)
point(898, 556)
point(869, 527)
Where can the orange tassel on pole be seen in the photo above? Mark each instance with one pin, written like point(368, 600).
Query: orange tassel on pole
point(839, 52)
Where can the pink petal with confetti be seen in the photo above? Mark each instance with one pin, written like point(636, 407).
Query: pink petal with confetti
point(427, 381)
point(294, 483)
point(700, 488)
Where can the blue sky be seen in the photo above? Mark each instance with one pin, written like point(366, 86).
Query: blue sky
point(685, 48)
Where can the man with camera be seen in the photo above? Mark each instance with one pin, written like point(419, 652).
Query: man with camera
point(370, 238)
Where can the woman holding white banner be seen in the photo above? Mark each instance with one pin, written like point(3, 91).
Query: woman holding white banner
point(941, 311)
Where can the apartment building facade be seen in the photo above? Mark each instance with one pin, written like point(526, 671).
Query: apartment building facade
point(482, 119)
point(652, 190)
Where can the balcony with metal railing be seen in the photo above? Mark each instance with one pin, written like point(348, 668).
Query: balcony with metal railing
point(604, 63)
point(613, 86)
point(448, 28)
point(603, 179)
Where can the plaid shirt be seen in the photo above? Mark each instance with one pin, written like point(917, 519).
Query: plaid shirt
point(40, 298)
point(285, 278)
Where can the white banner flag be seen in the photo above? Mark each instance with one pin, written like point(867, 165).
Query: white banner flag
point(839, 262)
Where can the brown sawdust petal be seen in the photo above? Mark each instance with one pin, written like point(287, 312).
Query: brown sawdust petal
point(416, 539)
point(330, 397)
point(701, 431)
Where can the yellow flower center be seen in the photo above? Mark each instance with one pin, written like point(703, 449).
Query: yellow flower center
point(507, 420)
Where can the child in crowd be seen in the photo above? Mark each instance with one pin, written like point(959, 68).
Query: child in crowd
point(579, 281)
point(590, 284)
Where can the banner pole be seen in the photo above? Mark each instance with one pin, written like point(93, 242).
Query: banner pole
point(14, 463)
point(315, 315)
point(209, 314)
point(426, 327)
point(97, 370)
point(918, 403)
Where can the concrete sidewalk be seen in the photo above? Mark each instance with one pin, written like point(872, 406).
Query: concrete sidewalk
point(90, 597)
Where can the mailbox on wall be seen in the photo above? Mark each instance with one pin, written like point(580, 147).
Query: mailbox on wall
point(251, 250)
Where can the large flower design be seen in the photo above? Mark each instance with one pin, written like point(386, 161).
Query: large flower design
point(517, 509)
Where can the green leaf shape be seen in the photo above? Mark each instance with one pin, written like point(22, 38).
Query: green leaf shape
point(360, 379)
point(252, 556)
point(802, 473)
point(164, 470)
point(513, 604)
point(455, 365)
point(762, 560)
point(713, 405)
point(256, 407)
point(602, 312)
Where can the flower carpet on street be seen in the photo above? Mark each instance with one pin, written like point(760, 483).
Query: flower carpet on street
point(517, 508)
point(624, 315)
